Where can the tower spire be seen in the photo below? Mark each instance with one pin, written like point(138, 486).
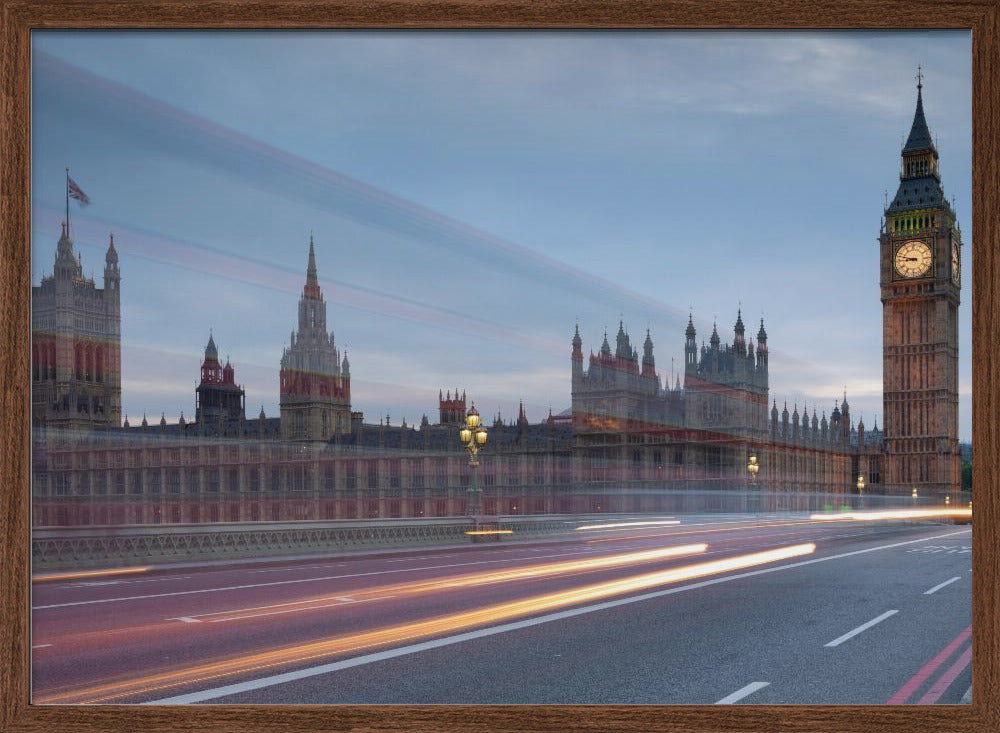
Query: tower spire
point(311, 289)
point(920, 135)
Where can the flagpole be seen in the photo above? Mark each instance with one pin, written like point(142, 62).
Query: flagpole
point(67, 203)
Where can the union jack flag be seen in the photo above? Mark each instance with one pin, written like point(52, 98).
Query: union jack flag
point(75, 192)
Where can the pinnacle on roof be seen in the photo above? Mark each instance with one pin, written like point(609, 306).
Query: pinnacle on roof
point(211, 353)
point(920, 135)
point(761, 334)
point(689, 331)
point(311, 289)
point(111, 257)
point(739, 328)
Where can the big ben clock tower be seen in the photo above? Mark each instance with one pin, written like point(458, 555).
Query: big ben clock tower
point(920, 263)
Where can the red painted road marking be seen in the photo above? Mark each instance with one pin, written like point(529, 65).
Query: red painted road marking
point(945, 680)
point(920, 677)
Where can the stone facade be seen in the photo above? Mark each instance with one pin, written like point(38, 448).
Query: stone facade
point(631, 442)
point(76, 344)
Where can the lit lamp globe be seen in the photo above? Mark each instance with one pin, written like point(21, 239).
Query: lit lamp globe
point(472, 419)
point(480, 435)
point(465, 435)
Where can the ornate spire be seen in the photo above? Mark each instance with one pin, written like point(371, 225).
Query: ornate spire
point(211, 352)
point(111, 257)
point(920, 135)
point(311, 289)
point(605, 347)
point(689, 331)
point(714, 338)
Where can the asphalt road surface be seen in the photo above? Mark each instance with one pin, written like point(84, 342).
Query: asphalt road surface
point(711, 610)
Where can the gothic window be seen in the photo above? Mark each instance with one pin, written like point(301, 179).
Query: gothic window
point(514, 469)
point(298, 476)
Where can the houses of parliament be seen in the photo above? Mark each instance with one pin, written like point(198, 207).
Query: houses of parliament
point(630, 443)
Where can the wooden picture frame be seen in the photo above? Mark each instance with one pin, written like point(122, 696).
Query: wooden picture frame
point(19, 17)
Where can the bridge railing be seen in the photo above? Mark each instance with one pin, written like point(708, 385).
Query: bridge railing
point(59, 548)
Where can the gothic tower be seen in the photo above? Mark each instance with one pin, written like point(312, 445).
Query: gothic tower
point(920, 257)
point(315, 384)
point(218, 397)
point(76, 344)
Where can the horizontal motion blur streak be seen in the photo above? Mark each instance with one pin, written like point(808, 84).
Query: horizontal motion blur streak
point(408, 632)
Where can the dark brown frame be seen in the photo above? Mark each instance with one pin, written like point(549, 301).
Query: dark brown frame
point(20, 16)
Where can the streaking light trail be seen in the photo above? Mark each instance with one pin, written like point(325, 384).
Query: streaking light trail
point(88, 574)
point(486, 577)
point(900, 514)
point(408, 632)
point(627, 524)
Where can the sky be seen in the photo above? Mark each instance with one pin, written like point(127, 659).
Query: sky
point(473, 196)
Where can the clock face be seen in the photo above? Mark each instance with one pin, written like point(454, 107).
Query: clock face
point(956, 265)
point(913, 259)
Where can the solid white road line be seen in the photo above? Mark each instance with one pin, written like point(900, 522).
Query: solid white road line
point(939, 586)
point(210, 694)
point(854, 632)
point(185, 619)
point(40, 646)
point(742, 692)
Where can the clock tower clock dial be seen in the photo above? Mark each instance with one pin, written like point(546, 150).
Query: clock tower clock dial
point(913, 259)
point(920, 254)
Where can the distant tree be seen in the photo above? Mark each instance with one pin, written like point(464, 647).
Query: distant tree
point(966, 476)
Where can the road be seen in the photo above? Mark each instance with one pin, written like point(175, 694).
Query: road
point(859, 612)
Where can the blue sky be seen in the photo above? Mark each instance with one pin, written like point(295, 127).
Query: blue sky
point(474, 195)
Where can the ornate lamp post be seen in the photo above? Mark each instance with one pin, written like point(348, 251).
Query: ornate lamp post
point(913, 495)
point(861, 491)
point(473, 437)
point(752, 468)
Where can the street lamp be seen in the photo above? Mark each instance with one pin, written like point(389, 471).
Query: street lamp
point(473, 437)
point(913, 495)
point(752, 468)
point(861, 490)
